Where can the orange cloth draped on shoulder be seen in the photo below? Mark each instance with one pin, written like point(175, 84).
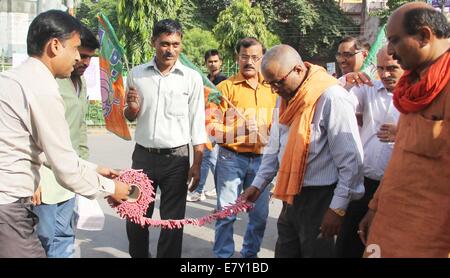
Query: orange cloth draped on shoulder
point(415, 97)
point(298, 115)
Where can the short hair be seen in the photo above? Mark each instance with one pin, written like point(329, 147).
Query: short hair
point(167, 26)
point(49, 25)
point(360, 43)
point(247, 42)
point(212, 52)
point(88, 39)
point(419, 17)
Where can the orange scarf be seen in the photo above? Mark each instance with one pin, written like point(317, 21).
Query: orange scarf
point(298, 115)
point(415, 97)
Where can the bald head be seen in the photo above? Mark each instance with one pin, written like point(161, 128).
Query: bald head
point(389, 70)
point(382, 54)
point(417, 35)
point(281, 58)
point(283, 68)
point(410, 6)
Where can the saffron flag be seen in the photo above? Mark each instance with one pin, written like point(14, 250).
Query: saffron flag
point(112, 89)
point(370, 63)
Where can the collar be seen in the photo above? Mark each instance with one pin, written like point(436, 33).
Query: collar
point(379, 87)
point(178, 67)
point(42, 73)
point(239, 78)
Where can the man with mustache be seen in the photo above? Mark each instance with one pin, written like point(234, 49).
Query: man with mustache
point(32, 124)
point(54, 204)
point(167, 100)
point(409, 214)
point(379, 120)
point(241, 144)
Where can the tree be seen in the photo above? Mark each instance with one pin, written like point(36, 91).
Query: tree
point(392, 6)
point(313, 27)
point(88, 10)
point(196, 42)
point(241, 20)
point(136, 19)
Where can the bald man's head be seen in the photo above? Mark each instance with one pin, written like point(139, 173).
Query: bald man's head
point(283, 68)
point(388, 69)
point(415, 31)
point(282, 57)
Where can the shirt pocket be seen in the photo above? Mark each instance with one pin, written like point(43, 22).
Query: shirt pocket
point(423, 136)
point(177, 104)
point(314, 138)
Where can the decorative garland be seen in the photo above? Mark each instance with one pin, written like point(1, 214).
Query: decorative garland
point(135, 211)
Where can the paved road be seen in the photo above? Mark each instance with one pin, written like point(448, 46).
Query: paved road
point(109, 150)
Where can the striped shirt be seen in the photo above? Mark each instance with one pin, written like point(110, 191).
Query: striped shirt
point(335, 151)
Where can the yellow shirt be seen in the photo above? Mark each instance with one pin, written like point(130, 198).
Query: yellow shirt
point(254, 103)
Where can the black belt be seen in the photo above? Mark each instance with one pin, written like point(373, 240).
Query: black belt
point(161, 151)
point(246, 154)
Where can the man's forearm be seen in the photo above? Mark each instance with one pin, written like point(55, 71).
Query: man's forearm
point(198, 154)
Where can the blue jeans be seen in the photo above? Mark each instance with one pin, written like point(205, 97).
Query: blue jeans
point(234, 173)
point(208, 163)
point(55, 228)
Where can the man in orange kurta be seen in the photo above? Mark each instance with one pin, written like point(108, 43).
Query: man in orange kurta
point(409, 215)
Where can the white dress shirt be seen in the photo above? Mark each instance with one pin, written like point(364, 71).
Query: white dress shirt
point(335, 151)
point(172, 109)
point(375, 104)
point(32, 121)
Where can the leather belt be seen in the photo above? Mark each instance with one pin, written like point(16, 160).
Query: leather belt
point(162, 151)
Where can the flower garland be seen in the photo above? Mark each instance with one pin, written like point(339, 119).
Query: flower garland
point(135, 211)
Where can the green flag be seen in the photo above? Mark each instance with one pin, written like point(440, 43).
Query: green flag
point(211, 92)
point(370, 63)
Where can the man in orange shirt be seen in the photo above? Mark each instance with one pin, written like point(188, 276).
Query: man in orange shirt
point(241, 146)
point(409, 214)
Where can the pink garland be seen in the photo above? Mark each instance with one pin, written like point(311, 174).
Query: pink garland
point(135, 211)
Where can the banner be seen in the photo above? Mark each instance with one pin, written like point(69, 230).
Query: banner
point(112, 89)
point(370, 63)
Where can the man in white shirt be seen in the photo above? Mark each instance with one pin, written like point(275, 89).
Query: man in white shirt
point(55, 207)
point(32, 123)
point(379, 120)
point(166, 98)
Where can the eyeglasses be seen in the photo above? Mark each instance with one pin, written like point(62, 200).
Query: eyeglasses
point(346, 55)
point(278, 83)
point(247, 58)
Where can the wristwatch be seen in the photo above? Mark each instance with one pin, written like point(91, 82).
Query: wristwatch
point(339, 212)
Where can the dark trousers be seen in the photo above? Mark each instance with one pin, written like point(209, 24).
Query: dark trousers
point(169, 173)
point(348, 244)
point(299, 223)
point(18, 237)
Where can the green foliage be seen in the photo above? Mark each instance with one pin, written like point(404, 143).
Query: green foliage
point(311, 26)
point(196, 42)
point(136, 19)
point(392, 6)
point(88, 10)
point(241, 20)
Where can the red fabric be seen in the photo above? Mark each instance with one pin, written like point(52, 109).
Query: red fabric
point(410, 98)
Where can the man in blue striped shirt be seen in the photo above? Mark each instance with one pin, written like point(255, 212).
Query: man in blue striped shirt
point(333, 173)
